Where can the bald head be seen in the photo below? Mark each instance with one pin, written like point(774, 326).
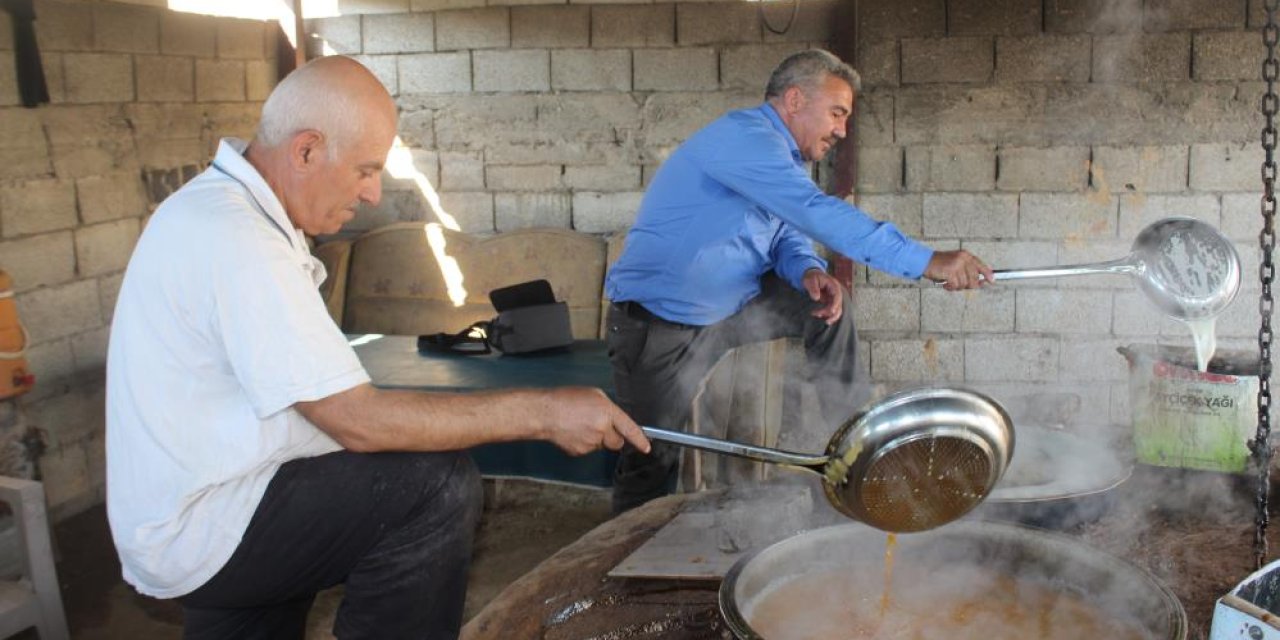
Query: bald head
point(334, 95)
point(322, 142)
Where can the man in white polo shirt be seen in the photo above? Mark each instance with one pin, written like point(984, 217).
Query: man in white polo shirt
point(250, 464)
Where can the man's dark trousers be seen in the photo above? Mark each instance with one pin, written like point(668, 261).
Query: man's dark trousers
point(395, 528)
point(658, 365)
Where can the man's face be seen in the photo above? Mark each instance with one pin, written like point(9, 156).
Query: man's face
point(333, 189)
point(818, 116)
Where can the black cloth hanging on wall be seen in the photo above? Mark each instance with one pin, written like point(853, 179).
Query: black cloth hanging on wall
point(31, 84)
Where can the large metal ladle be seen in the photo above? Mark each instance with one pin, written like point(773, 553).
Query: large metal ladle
point(1184, 266)
point(912, 461)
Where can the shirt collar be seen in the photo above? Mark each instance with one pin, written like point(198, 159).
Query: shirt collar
point(776, 120)
point(230, 159)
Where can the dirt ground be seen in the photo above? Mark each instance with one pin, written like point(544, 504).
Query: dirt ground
point(1193, 531)
point(523, 523)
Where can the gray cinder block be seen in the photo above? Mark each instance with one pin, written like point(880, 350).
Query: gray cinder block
point(106, 247)
point(970, 215)
point(917, 360)
point(486, 28)
point(399, 33)
point(591, 69)
point(1010, 359)
point(40, 260)
point(37, 206)
point(689, 69)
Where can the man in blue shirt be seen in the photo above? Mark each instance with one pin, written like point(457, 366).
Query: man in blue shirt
point(721, 254)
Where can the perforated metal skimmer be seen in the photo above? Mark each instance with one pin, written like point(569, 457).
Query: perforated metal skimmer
point(920, 483)
point(914, 460)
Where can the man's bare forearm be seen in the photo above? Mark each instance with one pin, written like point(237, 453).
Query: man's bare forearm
point(366, 418)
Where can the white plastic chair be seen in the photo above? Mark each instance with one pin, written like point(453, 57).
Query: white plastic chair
point(34, 598)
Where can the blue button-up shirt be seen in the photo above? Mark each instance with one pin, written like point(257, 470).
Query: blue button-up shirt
point(733, 202)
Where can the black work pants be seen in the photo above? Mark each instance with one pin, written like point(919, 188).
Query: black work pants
point(658, 365)
point(396, 528)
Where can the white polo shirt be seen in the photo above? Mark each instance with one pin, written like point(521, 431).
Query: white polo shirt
point(218, 330)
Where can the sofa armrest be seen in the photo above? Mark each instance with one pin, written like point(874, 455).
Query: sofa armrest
point(336, 256)
point(409, 278)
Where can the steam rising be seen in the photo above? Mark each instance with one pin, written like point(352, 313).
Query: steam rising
point(973, 580)
point(1138, 519)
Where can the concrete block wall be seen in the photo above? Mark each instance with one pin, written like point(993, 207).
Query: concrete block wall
point(140, 97)
point(1030, 132)
point(1049, 133)
point(555, 114)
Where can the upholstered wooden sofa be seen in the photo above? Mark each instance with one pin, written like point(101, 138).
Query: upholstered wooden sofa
point(396, 280)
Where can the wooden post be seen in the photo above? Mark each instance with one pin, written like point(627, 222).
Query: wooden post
point(290, 57)
point(300, 35)
point(844, 43)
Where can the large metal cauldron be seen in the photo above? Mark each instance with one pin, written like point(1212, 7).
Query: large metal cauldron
point(1116, 588)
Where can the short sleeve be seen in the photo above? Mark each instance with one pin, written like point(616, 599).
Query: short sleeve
point(281, 342)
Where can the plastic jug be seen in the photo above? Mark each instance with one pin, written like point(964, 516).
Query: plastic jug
point(15, 377)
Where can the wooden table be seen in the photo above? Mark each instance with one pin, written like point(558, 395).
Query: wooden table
point(394, 362)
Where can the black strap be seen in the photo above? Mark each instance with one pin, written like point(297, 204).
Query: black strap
point(31, 83)
point(468, 342)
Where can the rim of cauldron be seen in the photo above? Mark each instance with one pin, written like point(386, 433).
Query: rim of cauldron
point(1057, 505)
point(733, 617)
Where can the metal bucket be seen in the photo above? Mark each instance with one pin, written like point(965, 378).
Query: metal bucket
point(1251, 609)
point(1185, 418)
point(1109, 585)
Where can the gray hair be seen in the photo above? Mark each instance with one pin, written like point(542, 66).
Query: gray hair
point(807, 69)
point(306, 100)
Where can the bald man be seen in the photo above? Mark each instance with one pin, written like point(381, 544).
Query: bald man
point(250, 464)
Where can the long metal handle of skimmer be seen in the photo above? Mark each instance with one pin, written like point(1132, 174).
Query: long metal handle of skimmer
point(738, 449)
point(1124, 266)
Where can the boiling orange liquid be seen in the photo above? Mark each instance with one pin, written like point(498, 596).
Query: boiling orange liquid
point(889, 546)
point(953, 603)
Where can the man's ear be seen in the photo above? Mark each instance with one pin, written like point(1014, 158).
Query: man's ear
point(794, 99)
point(305, 149)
